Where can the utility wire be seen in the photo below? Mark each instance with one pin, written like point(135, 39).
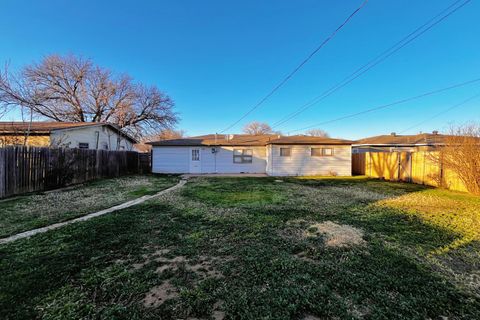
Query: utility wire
point(442, 112)
point(291, 74)
point(377, 60)
point(429, 93)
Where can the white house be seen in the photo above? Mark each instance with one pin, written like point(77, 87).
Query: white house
point(83, 135)
point(271, 154)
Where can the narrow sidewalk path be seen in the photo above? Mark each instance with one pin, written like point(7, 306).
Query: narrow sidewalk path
point(127, 204)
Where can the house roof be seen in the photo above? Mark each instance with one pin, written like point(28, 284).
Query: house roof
point(246, 140)
point(46, 127)
point(302, 139)
point(403, 140)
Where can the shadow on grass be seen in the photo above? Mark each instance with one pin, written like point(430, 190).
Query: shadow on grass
point(85, 270)
point(31, 268)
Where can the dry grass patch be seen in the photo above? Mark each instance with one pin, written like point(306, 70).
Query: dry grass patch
point(336, 235)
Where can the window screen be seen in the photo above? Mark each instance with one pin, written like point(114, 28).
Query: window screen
point(327, 152)
point(83, 145)
point(285, 152)
point(316, 152)
point(321, 152)
point(195, 155)
point(242, 155)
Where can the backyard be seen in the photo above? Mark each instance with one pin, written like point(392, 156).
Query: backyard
point(23, 213)
point(249, 248)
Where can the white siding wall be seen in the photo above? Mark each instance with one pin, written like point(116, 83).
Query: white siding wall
point(301, 163)
point(170, 159)
point(222, 161)
point(107, 138)
point(177, 160)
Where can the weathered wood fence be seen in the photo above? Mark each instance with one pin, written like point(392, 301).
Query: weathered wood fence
point(30, 169)
point(415, 167)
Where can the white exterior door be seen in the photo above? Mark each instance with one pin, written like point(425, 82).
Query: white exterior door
point(195, 161)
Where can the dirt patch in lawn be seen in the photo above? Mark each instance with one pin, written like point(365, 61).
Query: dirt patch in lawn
point(202, 266)
point(294, 230)
point(336, 235)
point(205, 268)
point(218, 315)
point(159, 294)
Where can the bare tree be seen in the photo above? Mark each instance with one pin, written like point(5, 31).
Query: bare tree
point(256, 127)
point(461, 155)
point(3, 111)
point(70, 88)
point(164, 135)
point(317, 133)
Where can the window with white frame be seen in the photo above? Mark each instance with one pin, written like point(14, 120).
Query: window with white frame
point(285, 152)
point(321, 152)
point(242, 156)
point(327, 152)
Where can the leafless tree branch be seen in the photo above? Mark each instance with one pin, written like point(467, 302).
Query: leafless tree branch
point(70, 88)
point(257, 127)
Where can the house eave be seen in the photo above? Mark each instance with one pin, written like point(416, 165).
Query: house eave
point(397, 145)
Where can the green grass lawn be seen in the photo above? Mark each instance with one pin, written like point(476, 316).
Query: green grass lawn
point(254, 248)
point(37, 210)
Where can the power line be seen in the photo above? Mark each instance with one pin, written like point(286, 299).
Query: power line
point(429, 93)
point(291, 74)
point(377, 60)
point(442, 112)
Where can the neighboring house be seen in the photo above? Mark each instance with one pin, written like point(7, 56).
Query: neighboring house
point(271, 154)
point(83, 135)
point(394, 142)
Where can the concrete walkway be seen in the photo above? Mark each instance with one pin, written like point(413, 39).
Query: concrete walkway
point(130, 203)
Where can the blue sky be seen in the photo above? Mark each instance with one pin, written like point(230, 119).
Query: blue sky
point(218, 58)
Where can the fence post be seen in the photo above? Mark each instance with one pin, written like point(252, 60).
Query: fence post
point(441, 171)
point(3, 163)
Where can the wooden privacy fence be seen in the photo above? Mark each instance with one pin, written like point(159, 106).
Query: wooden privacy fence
point(416, 167)
point(29, 169)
